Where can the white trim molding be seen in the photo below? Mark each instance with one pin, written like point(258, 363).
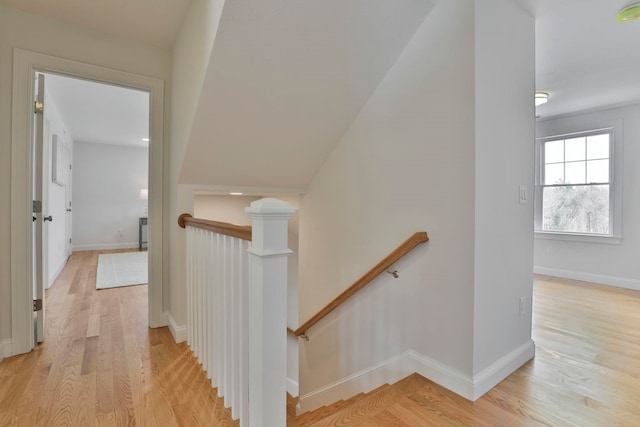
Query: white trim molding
point(293, 388)
point(25, 65)
point(179, 332)
point(105, 246)
point(6, 349)
point(388, 372)
point(396, 368)
point(601, 279)
point(489, 377)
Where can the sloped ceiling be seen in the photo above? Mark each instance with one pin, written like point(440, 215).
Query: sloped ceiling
point(285, 80)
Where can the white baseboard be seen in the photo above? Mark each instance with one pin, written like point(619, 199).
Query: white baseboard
point(446, 376)
point(387, 372)
point(105, 246)
point(179, 332)
point(404, 364)
point(6, 349)
point(489, 377)
point(620, 282)
point(292, 387)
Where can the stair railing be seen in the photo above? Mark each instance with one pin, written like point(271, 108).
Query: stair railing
point(236, 309)
point(381, 267)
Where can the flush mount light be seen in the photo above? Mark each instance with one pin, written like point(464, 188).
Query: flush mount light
point(630, 12)
point(541, 98)
point(236, 194)
point(145, 139)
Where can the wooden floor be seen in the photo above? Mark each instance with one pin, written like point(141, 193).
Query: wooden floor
point(100, 364)
point(586, 373)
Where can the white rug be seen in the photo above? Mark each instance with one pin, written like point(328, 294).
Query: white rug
point(122, 269)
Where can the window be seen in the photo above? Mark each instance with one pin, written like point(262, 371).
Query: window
point(575, 191)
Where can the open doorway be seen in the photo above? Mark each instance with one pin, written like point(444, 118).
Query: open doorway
point(26, 65)
point(95, 178)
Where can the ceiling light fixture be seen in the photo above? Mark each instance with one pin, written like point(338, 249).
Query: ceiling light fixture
point(145, 139)
point(630, 12)
point(541, 98)
point(236, 194)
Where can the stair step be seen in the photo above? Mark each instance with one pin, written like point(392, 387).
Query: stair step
point(359, 408)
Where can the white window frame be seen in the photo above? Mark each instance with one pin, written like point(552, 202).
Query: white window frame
point(615, 187)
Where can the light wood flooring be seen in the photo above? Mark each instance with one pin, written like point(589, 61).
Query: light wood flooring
point(586, 373)
point(102, 365)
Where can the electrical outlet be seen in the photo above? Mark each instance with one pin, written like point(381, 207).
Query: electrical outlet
point(522, 306)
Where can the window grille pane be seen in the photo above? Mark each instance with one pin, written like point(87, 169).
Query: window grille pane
point(554, 151)
point(554, 174)
point(575, 149)
point(598, 146)
point(575, 173)
point(576, 209)
point(598, 171)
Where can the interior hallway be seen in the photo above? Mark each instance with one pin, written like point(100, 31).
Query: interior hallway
point(100, 364)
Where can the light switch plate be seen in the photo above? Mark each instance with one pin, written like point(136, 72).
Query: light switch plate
point(524, 199)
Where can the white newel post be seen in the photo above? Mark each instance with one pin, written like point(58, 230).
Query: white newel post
point(268, 312)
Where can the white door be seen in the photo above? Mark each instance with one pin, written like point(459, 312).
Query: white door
point(38, 216)
point(68, 204)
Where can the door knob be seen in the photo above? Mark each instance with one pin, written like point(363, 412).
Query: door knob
point(48, 218)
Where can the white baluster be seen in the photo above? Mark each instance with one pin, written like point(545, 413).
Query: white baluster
point(210, 306)
point(219, 318)
point(243, 338)
point(189, 287)
point(233, 326)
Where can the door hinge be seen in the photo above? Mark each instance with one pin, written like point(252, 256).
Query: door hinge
point(37, 206)
point(38, 107)
point(37, 304)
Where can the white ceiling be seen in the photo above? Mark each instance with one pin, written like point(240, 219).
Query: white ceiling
point(585, 59)
point(285, 79)
point(100, 113)
point(154, 22)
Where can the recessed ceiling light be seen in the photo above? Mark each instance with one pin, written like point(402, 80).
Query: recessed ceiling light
point(145, 139)
point(541, 98)
point(236, 194)
point(630, 12)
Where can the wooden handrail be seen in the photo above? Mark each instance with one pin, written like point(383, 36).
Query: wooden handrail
point(382, 266)
point(240, 231)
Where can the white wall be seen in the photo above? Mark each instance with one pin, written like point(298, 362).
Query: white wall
point(406, 164)
point(504, 161)
point(107, 180)
point(609, 264)
point(190, 57)
point(430, 151)
point(56, 201)
point(27, 31)
point(223, 208)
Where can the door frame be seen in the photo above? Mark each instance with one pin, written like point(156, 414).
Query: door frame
point(25, 64)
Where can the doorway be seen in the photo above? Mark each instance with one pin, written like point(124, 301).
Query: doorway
point(26, 64)
point(94, 167)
